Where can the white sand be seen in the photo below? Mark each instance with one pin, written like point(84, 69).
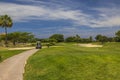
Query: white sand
point(90, 45)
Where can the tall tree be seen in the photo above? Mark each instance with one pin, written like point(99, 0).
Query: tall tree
point(101, 38)
point(117, 38)
point(90, 38)
point(14, 37)
point(21, 37)
point(57, 37)
point(77, 38)
point(70, 39)
point(6, 22)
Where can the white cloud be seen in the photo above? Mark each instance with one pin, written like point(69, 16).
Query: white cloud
point(21, 12)
point(27, 12)
point(107, 17)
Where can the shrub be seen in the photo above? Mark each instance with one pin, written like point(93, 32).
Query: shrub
point(50, 44)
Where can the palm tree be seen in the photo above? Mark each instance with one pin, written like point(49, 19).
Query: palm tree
point(6, 22)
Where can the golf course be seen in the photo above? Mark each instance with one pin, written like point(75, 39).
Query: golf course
point(59, 39)
point(68, 61)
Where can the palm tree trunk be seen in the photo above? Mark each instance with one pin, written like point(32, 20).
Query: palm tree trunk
point(6, 43)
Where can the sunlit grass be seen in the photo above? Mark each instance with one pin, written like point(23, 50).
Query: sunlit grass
point(72, 62)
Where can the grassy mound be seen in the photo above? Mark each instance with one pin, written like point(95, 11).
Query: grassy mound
point(72, 62)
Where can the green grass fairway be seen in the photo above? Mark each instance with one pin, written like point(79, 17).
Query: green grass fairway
point(72, 62)
point(8, 53)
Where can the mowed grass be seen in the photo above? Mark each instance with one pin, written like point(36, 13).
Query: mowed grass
point(4, 53)
point(72, 62)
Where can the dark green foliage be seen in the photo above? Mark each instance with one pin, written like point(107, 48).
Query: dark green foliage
point(19, 37)
point(52, 40)
point(73, 39)
point(0, 58)
point(117, 33)
point(85, 40)
point(70, 39)
point(57, 37)
point(101, 38)
point(111, 39)
point(44, 40)
point(50, 44)
point(90, 39)
point(6, 22)
point(78, 39)
point(117, 38)
point(26, 37)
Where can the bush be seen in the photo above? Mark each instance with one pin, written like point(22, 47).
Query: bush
point(57, 37)
point(50, 44)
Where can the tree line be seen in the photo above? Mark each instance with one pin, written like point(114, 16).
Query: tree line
point(98, 38)
point(27, 37)
point(18, 37)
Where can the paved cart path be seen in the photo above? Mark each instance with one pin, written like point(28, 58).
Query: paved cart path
point(13, 68)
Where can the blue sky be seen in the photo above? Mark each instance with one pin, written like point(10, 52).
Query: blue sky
point(69, 17)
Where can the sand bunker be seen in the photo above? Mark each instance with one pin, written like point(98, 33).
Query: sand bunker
point(89, 45)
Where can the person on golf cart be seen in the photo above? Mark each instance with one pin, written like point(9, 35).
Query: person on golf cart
point(38, 45)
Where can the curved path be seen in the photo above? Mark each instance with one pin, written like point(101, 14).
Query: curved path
point(13, 68)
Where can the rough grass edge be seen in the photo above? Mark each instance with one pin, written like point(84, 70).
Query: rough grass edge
point(0, 58)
